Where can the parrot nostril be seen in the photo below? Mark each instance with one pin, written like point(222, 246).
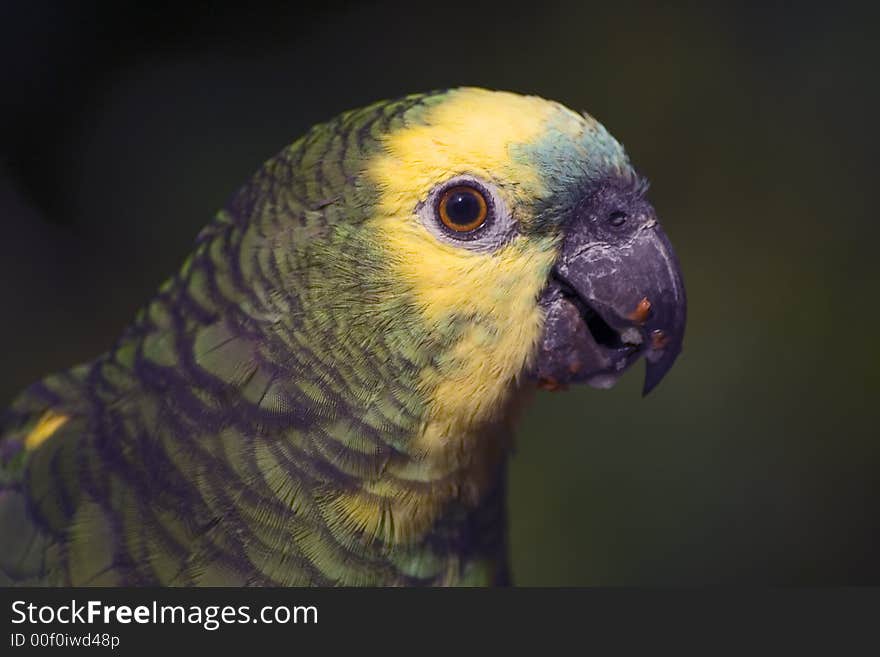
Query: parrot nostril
point(617, 218)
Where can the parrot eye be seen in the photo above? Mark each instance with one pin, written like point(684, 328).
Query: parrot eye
point(462, 208)
point(468, 213)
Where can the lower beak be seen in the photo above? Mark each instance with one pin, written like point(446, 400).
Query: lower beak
point(607, 305)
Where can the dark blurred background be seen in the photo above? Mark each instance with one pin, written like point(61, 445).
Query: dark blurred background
point(123, 129)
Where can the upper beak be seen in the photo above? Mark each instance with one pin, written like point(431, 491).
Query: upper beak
point(610, 302)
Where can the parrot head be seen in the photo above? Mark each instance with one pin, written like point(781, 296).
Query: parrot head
point(442, 251)
point(523, 224)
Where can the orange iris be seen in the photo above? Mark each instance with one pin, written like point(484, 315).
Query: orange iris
point(462, 208)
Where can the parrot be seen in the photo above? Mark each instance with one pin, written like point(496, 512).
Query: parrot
point(326, 392)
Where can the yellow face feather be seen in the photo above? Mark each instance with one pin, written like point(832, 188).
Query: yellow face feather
point(470, 388)
point(475, 132)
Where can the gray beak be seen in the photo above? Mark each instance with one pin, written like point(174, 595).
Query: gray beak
point(616, 294)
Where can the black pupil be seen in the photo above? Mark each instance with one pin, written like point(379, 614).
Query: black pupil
point(463, 207)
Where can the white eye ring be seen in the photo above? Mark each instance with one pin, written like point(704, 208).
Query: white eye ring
point(498, 228)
